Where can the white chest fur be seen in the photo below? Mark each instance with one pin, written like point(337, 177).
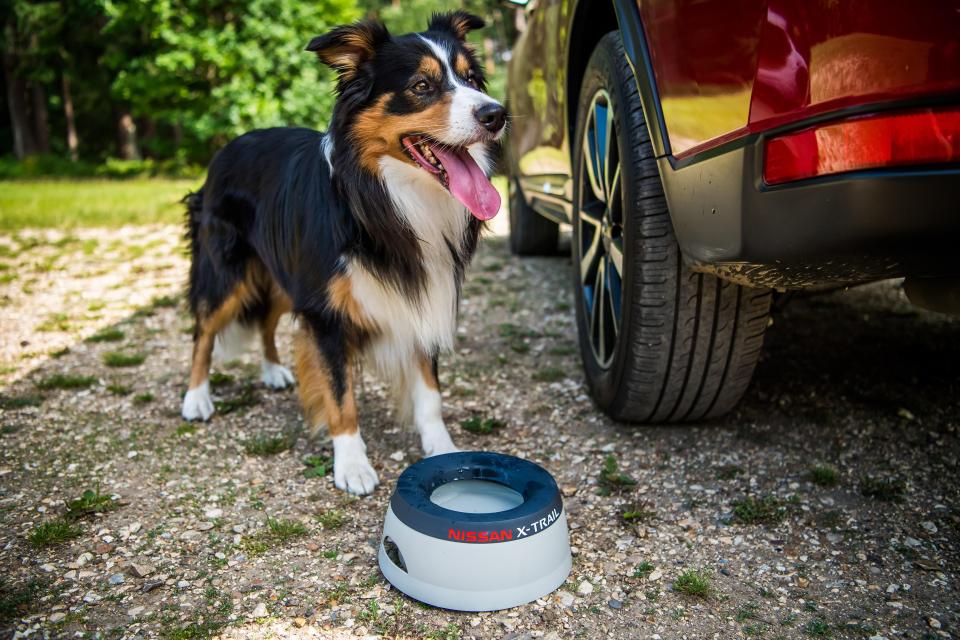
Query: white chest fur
point(407, 325)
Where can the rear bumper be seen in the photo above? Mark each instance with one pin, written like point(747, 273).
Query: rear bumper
point(852, 227)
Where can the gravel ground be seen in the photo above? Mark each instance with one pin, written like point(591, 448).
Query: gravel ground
point(825, 506)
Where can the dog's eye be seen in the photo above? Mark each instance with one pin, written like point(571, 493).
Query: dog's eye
point(421, 87)
point(472, 78)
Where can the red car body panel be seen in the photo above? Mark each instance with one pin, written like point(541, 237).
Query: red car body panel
point(726, 68)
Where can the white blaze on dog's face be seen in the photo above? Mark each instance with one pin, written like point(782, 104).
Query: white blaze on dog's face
point(419, 100)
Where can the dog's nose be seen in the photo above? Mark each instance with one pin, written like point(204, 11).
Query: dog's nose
point(491, 116)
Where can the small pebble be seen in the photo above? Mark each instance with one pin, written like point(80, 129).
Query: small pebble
point(614, 604)
point(116, 579)
point(585, 588)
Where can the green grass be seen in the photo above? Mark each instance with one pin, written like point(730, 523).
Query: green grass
point(695, 584)
point(265, 445)
point(120, 359)
point(245, 399)
point(883, 489)
point(643, 570)
point(65, 381)
point(143, 398)
point(19, 402)
point(16, 599)
point(549, 374)
point(332, 519)
point(184, 429)
point(91, 203)
point(612, 479)
point(111, 334)
point(89, 503)
point(48, 534)
point(277, 533)
point(817, 628)
point(482, 426)
point(759, 510)
point(218, 379)
point(119, 389)
point(317, 466)
point(824, 475)
point(165, 302)
point(636, 513)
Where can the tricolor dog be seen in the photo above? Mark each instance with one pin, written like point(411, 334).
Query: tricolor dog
point(362, 232)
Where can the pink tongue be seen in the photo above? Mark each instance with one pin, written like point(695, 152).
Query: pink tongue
point(468, 184)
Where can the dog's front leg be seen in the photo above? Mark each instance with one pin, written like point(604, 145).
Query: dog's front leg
point(424, 389)
point(326, 393)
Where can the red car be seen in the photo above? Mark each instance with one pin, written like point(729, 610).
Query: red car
point(707, 152)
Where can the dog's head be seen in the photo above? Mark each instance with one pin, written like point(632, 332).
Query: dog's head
point(417, 99)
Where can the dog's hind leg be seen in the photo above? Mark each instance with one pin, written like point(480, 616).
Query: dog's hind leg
point(274, 374)
point(326, 392)
point(423, 389)
point(197, 403)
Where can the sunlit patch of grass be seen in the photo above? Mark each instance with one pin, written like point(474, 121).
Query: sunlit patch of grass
point(55, 322)
point(269, 445)
point(89, 203)
point(65, 381)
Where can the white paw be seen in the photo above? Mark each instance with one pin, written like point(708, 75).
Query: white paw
point(437, 441)
point(351, 468)
point(276, 376)
point(197, 404)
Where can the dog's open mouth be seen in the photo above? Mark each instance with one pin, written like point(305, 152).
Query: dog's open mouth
point(457, 171)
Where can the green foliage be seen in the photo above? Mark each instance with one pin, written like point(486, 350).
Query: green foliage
point(89, 503)
point(332, 519)
point(53, 532)
point(824, 476)
point(762, 510)
point(883, 489)
point(482, 426)
point(119, 359)
point(65, 381)
point(317, 466)
point(612, 479)
point(695, 584)
point(111, 334)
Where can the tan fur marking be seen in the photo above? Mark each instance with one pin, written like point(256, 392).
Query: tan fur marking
point(430, 67)
point(210, 324)
point(377, 133)
point(461, 65)
point(340, 293)
point(280, 304)
point(426, 370)
point(315, 388)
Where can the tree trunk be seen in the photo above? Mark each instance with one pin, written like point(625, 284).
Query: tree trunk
point(72, 140)
point(127, 147)
point(24, 143)
point(41, 123)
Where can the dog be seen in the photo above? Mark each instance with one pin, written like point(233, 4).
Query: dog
point(362, 232)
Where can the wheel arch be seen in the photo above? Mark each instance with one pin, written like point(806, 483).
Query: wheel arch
point(586, 32)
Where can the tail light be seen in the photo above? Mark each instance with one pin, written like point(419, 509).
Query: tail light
point(927, 136)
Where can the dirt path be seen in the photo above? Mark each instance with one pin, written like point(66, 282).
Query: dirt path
point(826, 506)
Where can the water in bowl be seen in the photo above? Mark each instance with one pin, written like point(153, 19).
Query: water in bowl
point(475, 496)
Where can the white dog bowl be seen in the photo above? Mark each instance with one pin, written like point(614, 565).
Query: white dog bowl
point(475, 531)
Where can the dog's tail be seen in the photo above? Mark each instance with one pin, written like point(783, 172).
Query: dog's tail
point(194, 204)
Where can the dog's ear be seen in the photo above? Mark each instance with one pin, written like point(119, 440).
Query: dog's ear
point(346, 48)
point(459, 23)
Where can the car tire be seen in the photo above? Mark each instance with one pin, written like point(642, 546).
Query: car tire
point(660, 342)
point(530, 233)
